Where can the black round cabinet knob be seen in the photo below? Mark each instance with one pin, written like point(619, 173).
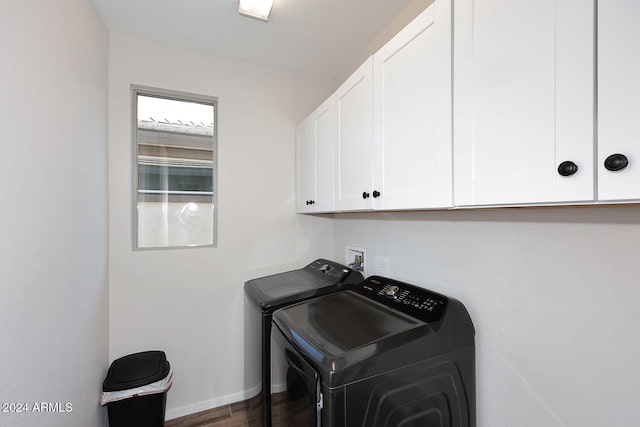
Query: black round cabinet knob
point(616, 162)
point(567, 168)
point(312, 202)
point(307, 203)
point(376, 193)
point(365, 195)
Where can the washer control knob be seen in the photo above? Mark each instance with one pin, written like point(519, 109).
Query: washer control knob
point(391, 290)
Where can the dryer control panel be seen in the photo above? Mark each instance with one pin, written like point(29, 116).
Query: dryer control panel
point(420, 303)
point(327, 270)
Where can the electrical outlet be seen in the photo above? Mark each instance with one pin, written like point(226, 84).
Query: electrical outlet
point(356, 258)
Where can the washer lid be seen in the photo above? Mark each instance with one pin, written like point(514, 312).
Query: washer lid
point(377, 326)
point(337, 324)
point(317, 278)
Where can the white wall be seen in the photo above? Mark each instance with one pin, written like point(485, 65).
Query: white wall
point(553, 294)
point(53, 221)
point(190, 302)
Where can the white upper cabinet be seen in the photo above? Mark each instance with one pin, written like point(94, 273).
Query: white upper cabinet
point(305, 167)
point(354, 140)
point(323, 122)
point(618, 99)
point(412, 164)
point(314, 160)
point(524, 101)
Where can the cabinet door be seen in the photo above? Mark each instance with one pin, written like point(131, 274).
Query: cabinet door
point(619, 99)
point(354, 139)
point(523, 101)
point(412, 114)
point(305, 166)
point(323, 134)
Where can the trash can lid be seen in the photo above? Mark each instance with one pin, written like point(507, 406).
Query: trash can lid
point(136, 370)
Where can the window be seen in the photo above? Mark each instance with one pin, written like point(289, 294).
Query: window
point(175, 151)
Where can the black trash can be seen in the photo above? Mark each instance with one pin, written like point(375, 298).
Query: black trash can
point(135, 390)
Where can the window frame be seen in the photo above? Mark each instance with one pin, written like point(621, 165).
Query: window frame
point(135, 91)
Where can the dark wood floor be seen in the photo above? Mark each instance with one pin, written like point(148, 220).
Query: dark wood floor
point(242, 414)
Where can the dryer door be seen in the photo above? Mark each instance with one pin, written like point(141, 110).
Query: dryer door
point(303, 404)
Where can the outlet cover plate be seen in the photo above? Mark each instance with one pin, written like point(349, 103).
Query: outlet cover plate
point(350, 257)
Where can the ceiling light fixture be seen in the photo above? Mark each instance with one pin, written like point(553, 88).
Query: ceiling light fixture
point(259, 9)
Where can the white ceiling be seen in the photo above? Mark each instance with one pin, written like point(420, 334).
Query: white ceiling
point(318, 36)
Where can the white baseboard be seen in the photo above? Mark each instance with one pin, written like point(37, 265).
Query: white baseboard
point(220, 401)
point(278, 388)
